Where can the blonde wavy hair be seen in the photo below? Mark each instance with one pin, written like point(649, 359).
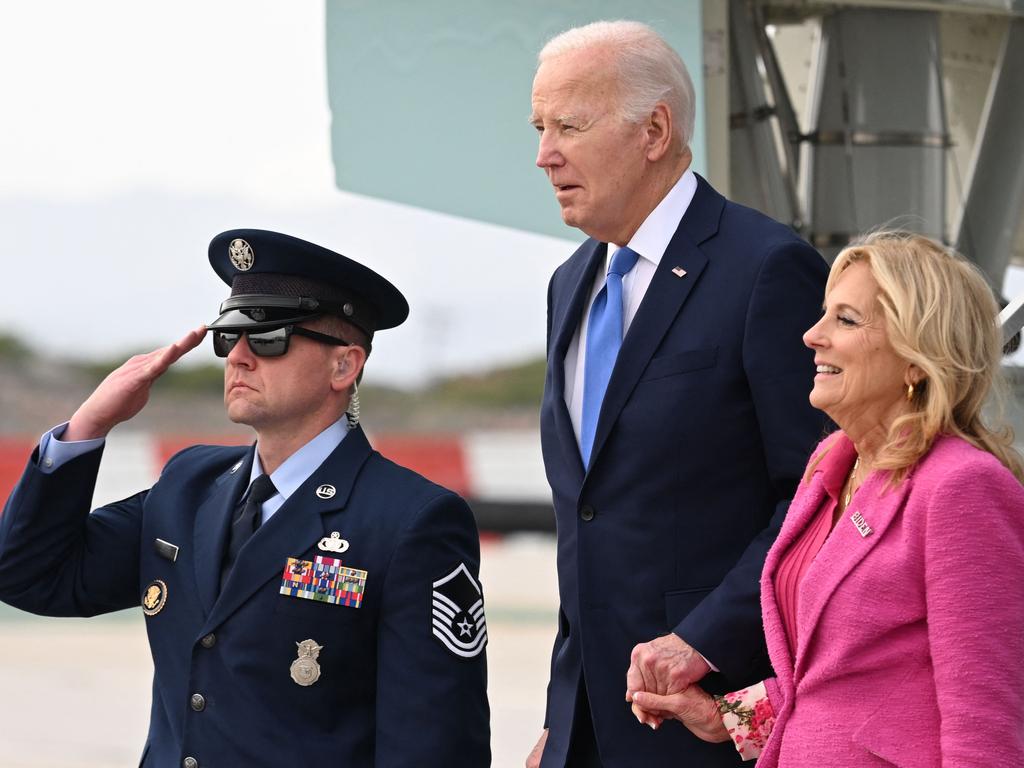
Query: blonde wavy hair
point(942, 317)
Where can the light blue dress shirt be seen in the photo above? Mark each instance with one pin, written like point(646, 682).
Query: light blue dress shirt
point(296, 469)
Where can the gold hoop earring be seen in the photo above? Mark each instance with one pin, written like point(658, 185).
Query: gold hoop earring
point(910, 392)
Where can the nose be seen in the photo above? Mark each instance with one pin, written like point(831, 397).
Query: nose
point(240, 354)
point(548, 155)
point(814, 337)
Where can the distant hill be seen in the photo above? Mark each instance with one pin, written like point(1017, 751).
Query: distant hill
point(37, 392)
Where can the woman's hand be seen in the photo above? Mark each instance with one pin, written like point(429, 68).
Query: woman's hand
point(692, 707)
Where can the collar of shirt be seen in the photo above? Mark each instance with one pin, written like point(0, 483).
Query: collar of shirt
point(836, 465)
point(651, 240)
point(297, 468)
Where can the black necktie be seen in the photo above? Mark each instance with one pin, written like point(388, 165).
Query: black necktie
point(245, 525)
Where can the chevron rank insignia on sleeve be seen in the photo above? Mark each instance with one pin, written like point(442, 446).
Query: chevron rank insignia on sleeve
point(458, 613)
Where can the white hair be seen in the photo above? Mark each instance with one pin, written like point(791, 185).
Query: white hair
point(649, 69)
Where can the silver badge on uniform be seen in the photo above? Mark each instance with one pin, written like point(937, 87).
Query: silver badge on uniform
point(304, 670)
point(241, 255)
point(333, 543)
point(326, 491)
point(458, 613)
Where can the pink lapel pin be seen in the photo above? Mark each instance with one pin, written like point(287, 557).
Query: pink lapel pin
point(862, 525)
point(678, 271)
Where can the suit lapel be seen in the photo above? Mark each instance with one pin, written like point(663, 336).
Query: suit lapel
point(296, 526)
point(661, 304)
point(210, 529)
point(800, 514)
point(584, 270)
point(842, 551)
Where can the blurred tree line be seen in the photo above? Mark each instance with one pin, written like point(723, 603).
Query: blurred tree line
point(513, 386)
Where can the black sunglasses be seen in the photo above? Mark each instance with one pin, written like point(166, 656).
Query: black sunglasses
point(272, 343)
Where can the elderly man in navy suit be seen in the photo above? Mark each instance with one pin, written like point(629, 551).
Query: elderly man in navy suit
point(306, 600)
point(675, 421)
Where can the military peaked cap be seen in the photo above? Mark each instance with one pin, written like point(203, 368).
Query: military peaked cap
point(278, 279)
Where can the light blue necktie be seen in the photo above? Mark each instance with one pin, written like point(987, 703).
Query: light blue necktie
point(604, 337)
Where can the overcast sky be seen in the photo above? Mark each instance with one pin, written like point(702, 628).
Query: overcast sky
point(134, 132)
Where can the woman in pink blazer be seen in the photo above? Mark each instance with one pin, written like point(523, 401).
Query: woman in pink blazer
point(893, 598)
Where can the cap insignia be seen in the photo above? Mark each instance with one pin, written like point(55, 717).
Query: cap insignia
point(241, 255)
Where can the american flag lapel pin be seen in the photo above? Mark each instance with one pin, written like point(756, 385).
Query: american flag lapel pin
point(678, 271)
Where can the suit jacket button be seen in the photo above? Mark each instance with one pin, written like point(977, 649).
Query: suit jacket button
point(189, 762)
point(208, 641)
point(587, 512)
point(198, 702)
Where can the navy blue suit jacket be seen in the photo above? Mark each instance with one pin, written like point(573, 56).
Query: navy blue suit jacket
point(389, 694)
point(703, 434)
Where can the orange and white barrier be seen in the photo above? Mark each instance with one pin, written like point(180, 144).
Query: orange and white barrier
point(500, 472)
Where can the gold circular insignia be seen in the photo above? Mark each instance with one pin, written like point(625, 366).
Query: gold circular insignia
point(154, 598)
point(241, 255)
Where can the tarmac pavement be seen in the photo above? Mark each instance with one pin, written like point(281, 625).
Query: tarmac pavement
point(76, 692)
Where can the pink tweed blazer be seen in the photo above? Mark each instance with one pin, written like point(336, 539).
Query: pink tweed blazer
point(910, 646)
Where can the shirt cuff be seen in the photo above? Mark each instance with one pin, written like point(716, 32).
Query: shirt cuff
point(749, 718)
point(54, 453)
point(708, 662)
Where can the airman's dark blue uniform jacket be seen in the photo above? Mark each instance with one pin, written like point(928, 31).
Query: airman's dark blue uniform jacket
point(401, 684)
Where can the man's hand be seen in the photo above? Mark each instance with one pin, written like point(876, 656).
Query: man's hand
point(125, 391)
point(666, 665)
point(533, 759)
point(693, 708)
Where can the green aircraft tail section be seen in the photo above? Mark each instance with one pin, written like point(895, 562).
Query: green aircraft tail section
point(430, 101)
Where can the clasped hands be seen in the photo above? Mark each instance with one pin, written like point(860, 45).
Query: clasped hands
point(661, 685)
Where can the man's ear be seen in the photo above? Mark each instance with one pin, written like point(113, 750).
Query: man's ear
point(348, 365)
point(658, 132)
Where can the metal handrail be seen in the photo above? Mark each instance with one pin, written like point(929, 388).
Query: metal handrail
point(1011, 319)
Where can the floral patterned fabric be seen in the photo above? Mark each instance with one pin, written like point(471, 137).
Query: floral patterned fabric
point(749, 718)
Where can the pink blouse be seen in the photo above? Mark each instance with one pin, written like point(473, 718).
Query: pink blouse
point(747, 714)
point(835, 467)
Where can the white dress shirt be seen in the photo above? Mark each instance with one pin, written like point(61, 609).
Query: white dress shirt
point(650, 242)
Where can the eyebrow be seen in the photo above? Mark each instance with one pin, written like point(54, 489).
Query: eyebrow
point(842, 306)
point(534, 119)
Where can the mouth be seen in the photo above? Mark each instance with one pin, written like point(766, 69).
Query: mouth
point(562, 189)
point(828, 370)
point(238, 385)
